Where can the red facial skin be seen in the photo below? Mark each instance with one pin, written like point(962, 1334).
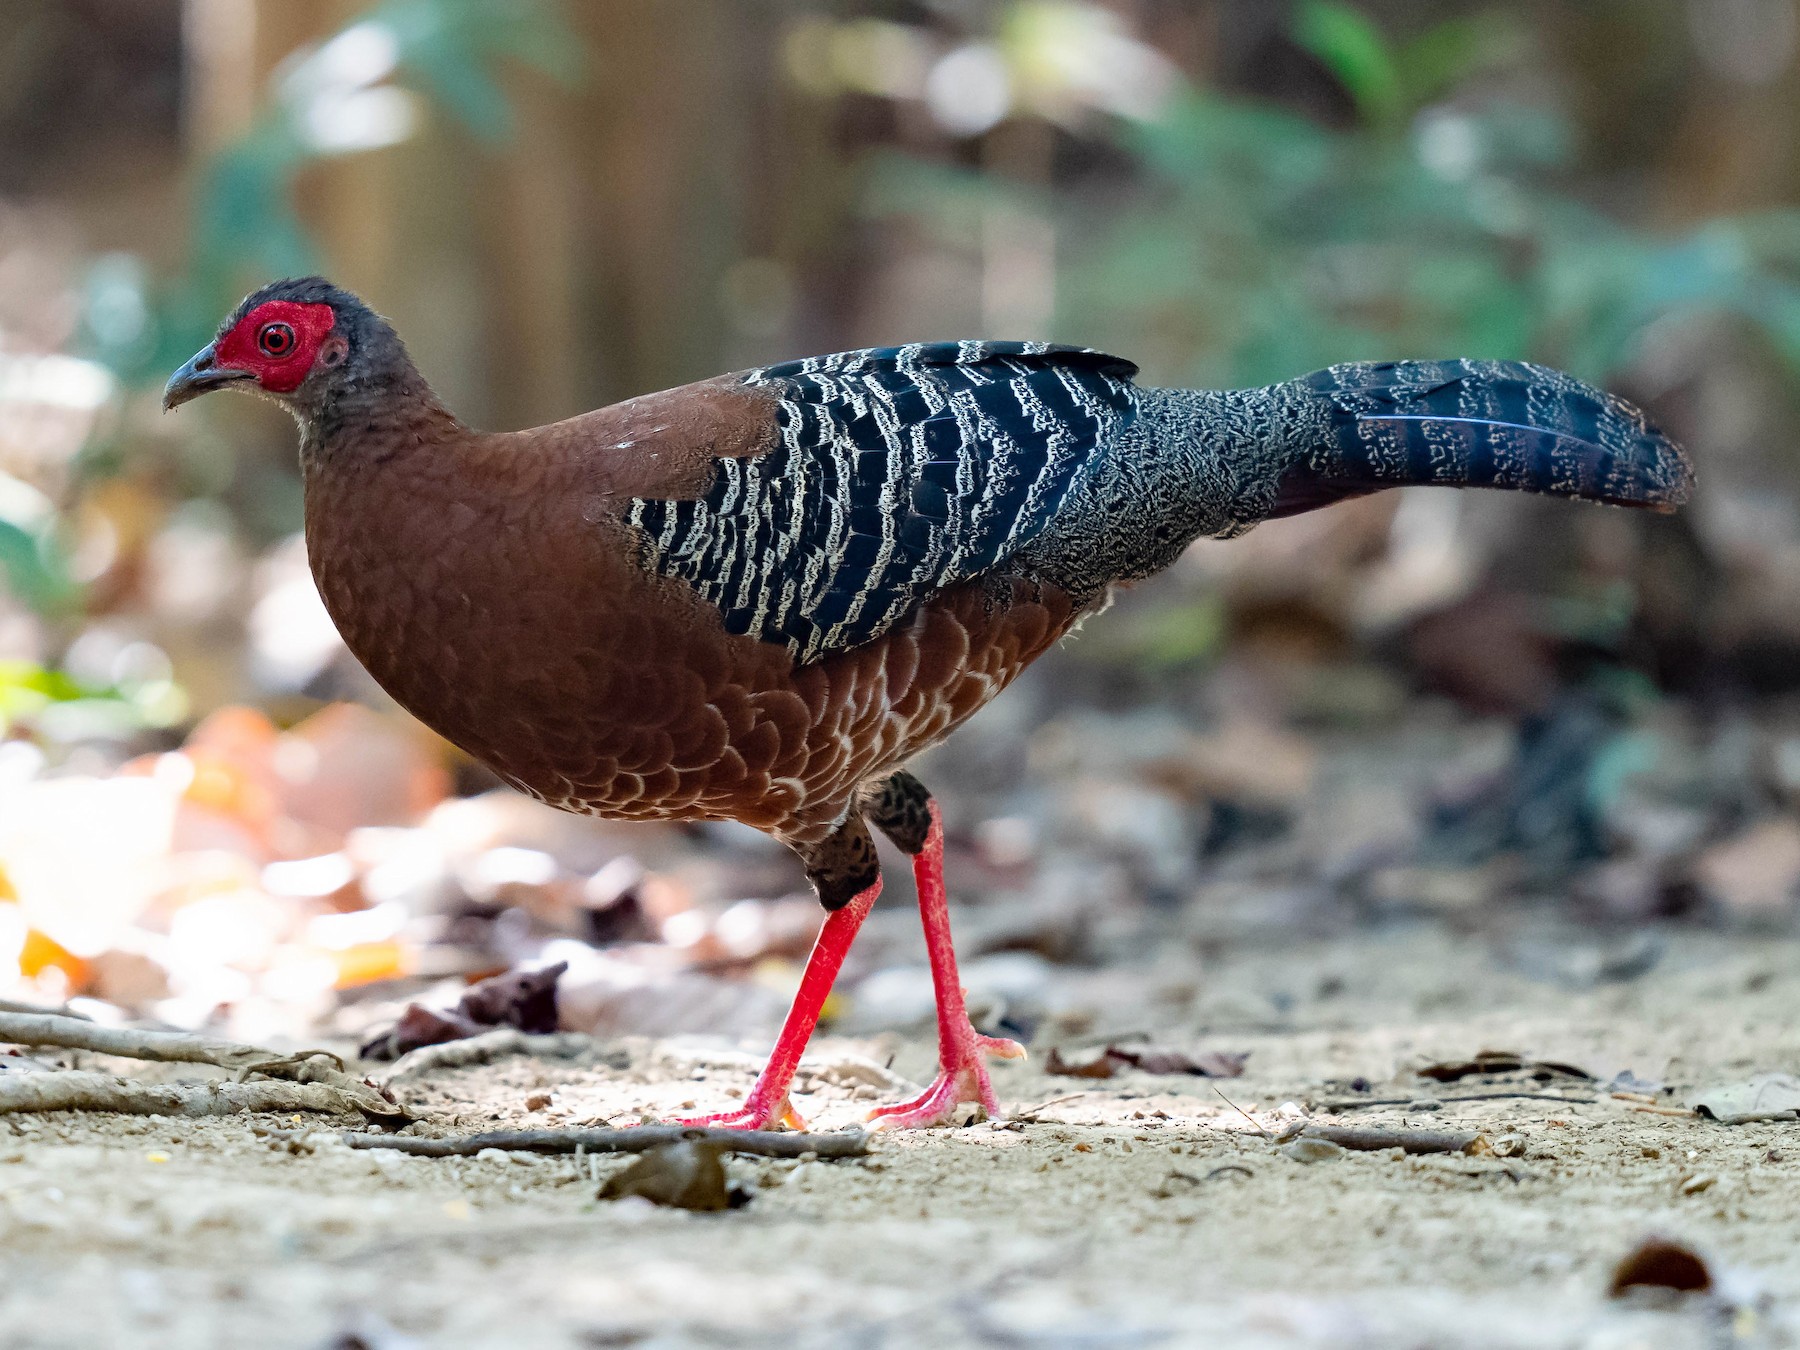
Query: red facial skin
point(280, 360)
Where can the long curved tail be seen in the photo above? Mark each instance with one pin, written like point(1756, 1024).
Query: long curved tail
point(1496, 424)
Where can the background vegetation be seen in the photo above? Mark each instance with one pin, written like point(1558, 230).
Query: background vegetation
point(565, 204)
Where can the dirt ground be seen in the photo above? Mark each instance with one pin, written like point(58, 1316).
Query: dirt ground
point(1145, 1211)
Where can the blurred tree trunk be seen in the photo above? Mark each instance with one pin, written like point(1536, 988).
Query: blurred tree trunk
point(663, 139)
point(585, 259)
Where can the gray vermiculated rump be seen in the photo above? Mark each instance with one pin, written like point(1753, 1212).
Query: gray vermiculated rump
point(1196, 462)
point(1199, 462)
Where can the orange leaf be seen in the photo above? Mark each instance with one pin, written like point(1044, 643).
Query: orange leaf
point(367, 962)
point(41, 952)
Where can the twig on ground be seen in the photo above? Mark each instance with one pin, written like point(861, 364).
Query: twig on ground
point(765, 1143)
point(1245, 1114)
point(170, 1047)
point(14, 1006)
point(485, 1049)
point(1029, 1116)
point(319, 1067)
point(1373, 1140)
point(82, 1090)
point(1364, 1103)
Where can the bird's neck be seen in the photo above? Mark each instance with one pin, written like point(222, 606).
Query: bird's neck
point(381, 416)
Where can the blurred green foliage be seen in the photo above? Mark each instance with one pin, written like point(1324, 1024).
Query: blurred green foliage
point(353, 93)
point(61, 708)
point(33, 566)
point(358, 91)
point(1391, 81)
point(1254, 244)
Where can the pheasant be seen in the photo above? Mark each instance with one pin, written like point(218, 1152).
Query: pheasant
point(758, 597)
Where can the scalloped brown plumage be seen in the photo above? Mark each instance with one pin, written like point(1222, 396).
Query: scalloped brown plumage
point(758, 597)
point(489, 584)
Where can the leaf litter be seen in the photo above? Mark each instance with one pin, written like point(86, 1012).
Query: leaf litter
point(1767, 1096)
point(1114, 1059)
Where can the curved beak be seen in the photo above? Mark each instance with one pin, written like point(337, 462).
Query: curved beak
point(200, 376)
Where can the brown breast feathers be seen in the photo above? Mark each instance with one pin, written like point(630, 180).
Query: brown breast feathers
point(489, 583)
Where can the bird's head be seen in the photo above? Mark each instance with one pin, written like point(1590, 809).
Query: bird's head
point(299, 342)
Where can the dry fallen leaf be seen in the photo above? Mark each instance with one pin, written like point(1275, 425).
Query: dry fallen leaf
point(525, 999)
point(1149, 1059)
point(1768, 1096)
point(1500, 1061)
point(1102, 1065)
point(418, 1026)
point(1658, 1263)
point(522, 999)
point(1160, 1059)
point(685, 1175)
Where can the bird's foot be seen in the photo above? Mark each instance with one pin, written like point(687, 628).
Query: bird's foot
point(760, 1111)
point(963, 1078)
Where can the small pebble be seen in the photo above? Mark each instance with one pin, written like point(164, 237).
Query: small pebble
point(1305, 1150)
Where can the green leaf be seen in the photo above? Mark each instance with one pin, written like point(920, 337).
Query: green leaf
point(1451, 51)
point(452, 48)
point(29, 677)
point(34, 569)
point(1353, 49)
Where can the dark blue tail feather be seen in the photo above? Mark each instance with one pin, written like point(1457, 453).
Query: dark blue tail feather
point(1498, 424)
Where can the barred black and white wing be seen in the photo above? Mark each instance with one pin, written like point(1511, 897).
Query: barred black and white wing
point(899, 471)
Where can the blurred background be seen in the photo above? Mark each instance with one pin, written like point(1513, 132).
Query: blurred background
point(1513, 716)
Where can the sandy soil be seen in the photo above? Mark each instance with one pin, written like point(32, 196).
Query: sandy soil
point(1146, 1211)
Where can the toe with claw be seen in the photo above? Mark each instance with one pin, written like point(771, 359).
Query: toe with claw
point(963, 1078)
point(756, 1113)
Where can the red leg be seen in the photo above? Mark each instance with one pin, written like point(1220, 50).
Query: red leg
point(768, 1104)
point(962, 1051)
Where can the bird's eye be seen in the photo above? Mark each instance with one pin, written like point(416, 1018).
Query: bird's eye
point(275, 339)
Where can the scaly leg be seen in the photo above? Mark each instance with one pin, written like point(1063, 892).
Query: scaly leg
point(962, 1051)
point(768, 1104)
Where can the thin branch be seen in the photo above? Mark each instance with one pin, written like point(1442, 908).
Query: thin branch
point(81, 1090)
point(184, 1047)
point(1029, 1116)
point(485, 1049)
point(1370, 1140)
point(12, 1005)
point(169, 1047)
point(1365, 1103)
point(765, 1143)
point(1245, 1114)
